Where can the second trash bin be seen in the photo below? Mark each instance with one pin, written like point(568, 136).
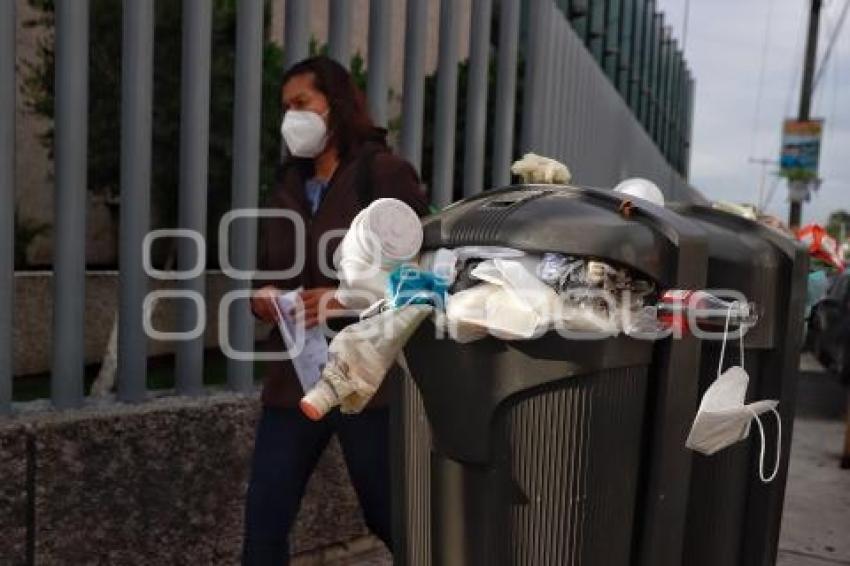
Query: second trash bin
point(552, 450)
point(734, 518)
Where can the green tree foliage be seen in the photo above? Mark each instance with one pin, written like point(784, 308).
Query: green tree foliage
point(836, 220)
point(104, 137)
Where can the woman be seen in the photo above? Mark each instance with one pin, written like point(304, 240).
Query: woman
point(339, 163)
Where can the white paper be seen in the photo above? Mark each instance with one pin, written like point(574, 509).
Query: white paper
point(309, 348)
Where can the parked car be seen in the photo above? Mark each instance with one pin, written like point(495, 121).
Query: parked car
point(829, 327)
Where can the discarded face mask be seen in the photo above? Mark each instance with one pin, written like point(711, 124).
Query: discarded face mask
point(359, 358)
point(723, 419)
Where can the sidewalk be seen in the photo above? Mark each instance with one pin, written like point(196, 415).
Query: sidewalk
point(816, 519)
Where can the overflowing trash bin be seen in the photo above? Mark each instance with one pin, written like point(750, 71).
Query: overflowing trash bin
point(733, 517)
point(560, 446)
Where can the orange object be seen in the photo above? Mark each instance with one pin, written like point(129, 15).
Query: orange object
point(310, 411)
point(821, 245)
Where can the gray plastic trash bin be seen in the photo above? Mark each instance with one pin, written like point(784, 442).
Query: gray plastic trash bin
point(551, 451)
point(733, 518)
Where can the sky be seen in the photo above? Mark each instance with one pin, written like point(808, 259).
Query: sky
point(735, 119)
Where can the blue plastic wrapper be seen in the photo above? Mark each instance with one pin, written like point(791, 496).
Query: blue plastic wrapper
point(409, 285)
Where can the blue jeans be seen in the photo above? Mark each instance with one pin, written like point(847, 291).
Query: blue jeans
point(286, 450)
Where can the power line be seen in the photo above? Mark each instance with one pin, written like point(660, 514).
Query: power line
point(792, 87)
point(835, 33)
point(760, 89)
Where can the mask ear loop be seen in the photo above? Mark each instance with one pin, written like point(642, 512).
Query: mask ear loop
point(723, 347)
point(740, 338)
point(778, 445)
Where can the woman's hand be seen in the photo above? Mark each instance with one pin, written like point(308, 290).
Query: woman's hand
point(319, 305)
point(262, 303)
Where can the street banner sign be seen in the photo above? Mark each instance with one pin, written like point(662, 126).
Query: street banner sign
point(800, 148)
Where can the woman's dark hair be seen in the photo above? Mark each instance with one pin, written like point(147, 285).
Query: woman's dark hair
point(349, 122)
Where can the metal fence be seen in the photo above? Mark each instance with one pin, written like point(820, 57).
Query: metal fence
point(571, 111)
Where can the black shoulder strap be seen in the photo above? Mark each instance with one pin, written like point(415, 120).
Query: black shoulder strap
point(365, 179)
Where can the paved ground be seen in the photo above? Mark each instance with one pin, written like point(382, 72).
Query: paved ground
point(816, 521)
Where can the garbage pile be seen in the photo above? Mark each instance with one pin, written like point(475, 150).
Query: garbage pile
point(470, 292)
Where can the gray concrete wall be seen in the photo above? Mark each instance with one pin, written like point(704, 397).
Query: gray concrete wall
point(159, 483)
point(33, 316)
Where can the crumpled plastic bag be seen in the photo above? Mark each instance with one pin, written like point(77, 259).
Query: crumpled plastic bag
point(536, 169)
point(511, 303)
point(597, 297)
point(449, 262)
point(359, 358)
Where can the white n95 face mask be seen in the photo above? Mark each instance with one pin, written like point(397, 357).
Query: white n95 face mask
point(723, 419)
point(305, 133)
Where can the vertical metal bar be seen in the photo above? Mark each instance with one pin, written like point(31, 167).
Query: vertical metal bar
point(476, 97)
point(625, 40)
point(673, 139)
point(575, 51)
point(339, 31)
point(665, 101)
point(646, 66)
point(533, 83)
point(248, 94)
point(69, 262)
point(689, 124)
point(413, 96)
point(547, 79)
point(556, 69)
point(444, 127)
point(655, 90)
point(296, 37)
point(194, 154)
point(136, 119)
point(506, 79)
point(672, 84)
point(659, 92)
point(7, 199)
point(379, 57)
point(564, 70)
point(680, 117)
point(637, 58)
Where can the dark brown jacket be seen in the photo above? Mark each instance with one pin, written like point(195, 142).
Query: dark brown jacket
point(391, 176)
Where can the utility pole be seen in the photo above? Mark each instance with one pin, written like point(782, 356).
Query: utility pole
point(796, 213)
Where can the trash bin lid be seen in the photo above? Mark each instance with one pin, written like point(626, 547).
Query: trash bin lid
point(572, 220)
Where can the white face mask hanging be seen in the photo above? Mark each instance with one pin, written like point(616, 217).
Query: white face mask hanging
point(305, 133)
point(723, 419)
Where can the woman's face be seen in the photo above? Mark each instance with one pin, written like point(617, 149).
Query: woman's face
point(300, 94)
